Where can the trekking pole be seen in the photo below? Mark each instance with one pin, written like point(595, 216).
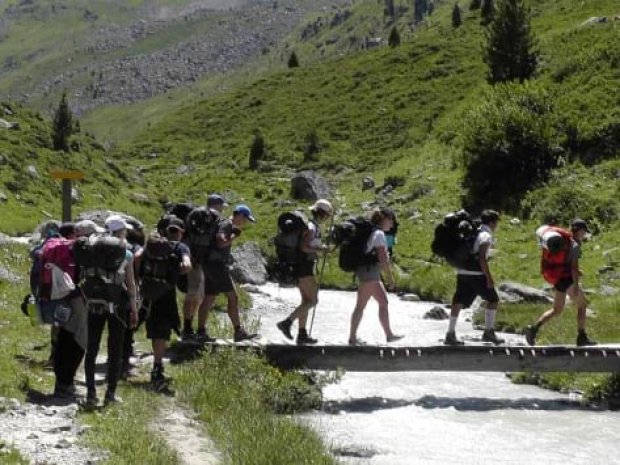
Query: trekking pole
point(331, 225)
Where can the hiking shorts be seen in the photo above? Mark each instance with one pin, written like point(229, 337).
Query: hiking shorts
point(303, 269)
point(468, 287)
point(563, 284)
point(163, 316)
point(217, 278)
point(195, 282)
point(368, 273)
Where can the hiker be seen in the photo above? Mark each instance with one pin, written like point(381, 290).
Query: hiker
point(135, 242)
point(561, 251)
point(217, 274)
point(476, 280)
point(369, 276)
point(196, 281)
point(160, 262)
point(110, 309)
point(304, 270)
point(390, 237)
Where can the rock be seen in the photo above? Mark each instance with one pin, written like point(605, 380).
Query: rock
point(184, 169)
point(4, 239)
point(63, 444)
point(140, 198)
point(594, 20)
point(527, 293)
point(608, 290)
point(509, 298)
point(606, 269)
point(3, 197)
point(8, 276)
point(368, 183)
point(410, 297)
point(8, 125)
point(515, 221)
point(32, 171)
point(75, 194)
point(249, 265)
point(283, 203)
point(436, 313)
point(309, 185)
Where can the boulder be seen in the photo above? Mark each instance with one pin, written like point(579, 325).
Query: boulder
point(32, 171)
point(410, 297)
point(309, 185)
point(3, 197)
point(249, 266)
point(368, 183)
point(526, 293)
point(436, 313)
point(594, 20)
point(140, 198)
point(608, 291)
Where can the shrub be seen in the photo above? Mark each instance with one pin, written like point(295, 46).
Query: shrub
point(456, 16)
point(312, 146)
point(293, 61)
point(394, 39)
point(257, 151)
point(509, 146)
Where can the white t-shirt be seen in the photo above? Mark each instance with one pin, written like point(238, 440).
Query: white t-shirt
point(484, 237)
point(376, 239)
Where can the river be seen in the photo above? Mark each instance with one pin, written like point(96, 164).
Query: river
point(435, 417)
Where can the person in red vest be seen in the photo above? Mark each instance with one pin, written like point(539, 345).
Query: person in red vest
point(561, 250)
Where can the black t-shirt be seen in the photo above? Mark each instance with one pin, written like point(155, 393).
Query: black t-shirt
point(222, 254)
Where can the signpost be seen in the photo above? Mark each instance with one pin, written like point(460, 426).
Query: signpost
point(67, 176)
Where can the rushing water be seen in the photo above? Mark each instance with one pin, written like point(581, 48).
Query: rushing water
point(435, 417)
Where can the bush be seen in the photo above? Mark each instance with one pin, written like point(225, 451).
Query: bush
point(257, 151)
point(312, 146)
point(509, 146)
point(394, 38)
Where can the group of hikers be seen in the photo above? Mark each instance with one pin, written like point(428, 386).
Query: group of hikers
point(86, 276)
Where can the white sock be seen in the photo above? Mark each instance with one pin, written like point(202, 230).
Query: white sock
point(489, 318)
point(452, 324)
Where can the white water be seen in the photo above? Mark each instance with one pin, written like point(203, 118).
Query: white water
point(434, 417)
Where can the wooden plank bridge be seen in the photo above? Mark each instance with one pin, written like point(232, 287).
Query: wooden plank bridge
point(437, 358)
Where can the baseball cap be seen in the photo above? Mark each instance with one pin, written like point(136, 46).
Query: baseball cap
point(176, 223)
point(578, 224)
point(322, 205)
point(116, 223)
point(87, 227)
point(216, 199)
point(245, 211)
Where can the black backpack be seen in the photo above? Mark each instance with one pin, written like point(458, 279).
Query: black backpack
point(288, 241)
point(454, 240)
point(159, 268)
point(352, 236)
point(100, 259)
point(201, 228)
point(181, 210)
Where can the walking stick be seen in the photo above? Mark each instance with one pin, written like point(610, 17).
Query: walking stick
point(331, 225)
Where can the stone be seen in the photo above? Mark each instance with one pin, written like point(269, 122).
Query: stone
point(184, 169)
point(606, 269)
point(515, 221)
point(410, 297)
point(436, 313)
point(309, 185)
point(594, 20)
point(3, 197)
point(527, 293)
point(8, 124)
point(249, 266)
point(608, 290)
point(368, 183)
point(8, 276)
point(32, 171)
point(140, 198)
point(75, 194)
point(509, 298)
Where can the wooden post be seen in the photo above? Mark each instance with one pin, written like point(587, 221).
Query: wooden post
point(67, 177)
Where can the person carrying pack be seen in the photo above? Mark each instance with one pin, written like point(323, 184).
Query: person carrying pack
point(469, 252)
point(363, 249)
point(298, 244)
point(108, 286)
point(560, 253)
point(292, 226)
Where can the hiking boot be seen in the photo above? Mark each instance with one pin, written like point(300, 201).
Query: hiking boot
point(285, 327)
point(160, 383)
point(530, 333)
point(582, 339)
point(451, 340)
point(188, 334)
point(64, 391)
point(242, 335)
point(111, 398)
point(91, 403)
point(394, 338)
point(203, 337)
point(490, 336)
point(303, 338)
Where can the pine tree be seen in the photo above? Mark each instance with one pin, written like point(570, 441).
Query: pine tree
point(389, 9)
point(474, 5)
point(257, 151)
point(509, 51)
point(456, 16)
point(420, 9)
point(487, 12)
point(63, 125)
point(394, 39)
point(293, 62)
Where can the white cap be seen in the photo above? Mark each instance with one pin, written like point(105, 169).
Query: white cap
point(87, 227)
point(322, 205)
point(116, 223)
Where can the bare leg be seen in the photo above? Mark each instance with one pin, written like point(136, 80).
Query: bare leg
point(309, 298)
point(379, 294)
point(559, 301)
point(363, 295)
point(159, 349)
point(233, 308)
point(580, 301)
point(205, 308)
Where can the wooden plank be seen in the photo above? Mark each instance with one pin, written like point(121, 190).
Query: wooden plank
point(72, 175)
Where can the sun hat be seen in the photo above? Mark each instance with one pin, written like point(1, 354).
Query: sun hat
point(322, 205)
point(116, 223)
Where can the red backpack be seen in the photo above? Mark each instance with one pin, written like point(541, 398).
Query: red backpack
point(58, 251)
point(555, 266)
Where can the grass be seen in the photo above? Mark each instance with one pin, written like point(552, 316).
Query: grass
point(11, 457)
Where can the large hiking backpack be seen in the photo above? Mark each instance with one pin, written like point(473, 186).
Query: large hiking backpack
point(55, 252)
point(288, 241)
point(352, 237)
point(554, 265)
point(454, 240)
point(159, 268)
point(181, 210)
point(201, 228)
point(102, 273)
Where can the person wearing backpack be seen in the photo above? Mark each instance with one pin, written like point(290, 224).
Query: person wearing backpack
point(159, 272)
point(111, 313)
point(561, 251)
point(196, 282)
point(218, 279)
point(373, 258)
point(303, 272)
point(476, 280)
